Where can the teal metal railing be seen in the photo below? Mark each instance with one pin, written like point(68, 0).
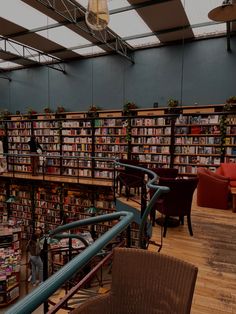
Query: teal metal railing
point(159, 190)
point(38, 296)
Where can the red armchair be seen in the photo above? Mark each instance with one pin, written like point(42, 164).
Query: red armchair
point(213, 189)
point(228, 170)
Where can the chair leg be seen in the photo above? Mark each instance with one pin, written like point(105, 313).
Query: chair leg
point(165, 226)
point(181, 220)
point(189, 225)
point(153, 216)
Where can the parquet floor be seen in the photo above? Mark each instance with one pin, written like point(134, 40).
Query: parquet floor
point(213, 250)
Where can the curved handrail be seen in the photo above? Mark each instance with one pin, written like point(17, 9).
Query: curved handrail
point(28, 304)
point(47, 288)
point(150, 184)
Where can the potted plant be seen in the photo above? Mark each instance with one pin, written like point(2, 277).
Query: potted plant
point(128, 108)
point(93, 111)
point(59, 112)
point(30, 113)
point(4, 114)
point(47, 110)
point(231, 100)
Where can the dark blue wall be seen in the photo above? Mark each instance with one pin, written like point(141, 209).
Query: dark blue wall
point(209, 74)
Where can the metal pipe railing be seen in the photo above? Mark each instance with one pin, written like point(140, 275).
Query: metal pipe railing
point(28, 304)
point(47, 288)
point(158, 191)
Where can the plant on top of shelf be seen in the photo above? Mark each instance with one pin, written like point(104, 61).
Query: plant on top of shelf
point(60, 109)
point(172, 103)
point(4, 114)
point(31, 111)
point(128, 107)
point(93, 111)
point(47, 110)
point(231, 100)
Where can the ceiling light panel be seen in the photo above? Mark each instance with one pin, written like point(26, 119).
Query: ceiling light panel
point(143, 42)
point(128, 23)
point(197, 12)
point(89, 51)
point(9, 65)
point(24, 15)
point(64, 37)
point(210, 30)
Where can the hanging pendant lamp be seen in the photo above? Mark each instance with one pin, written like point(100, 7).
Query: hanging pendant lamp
point(224, 13)
point(97, 15)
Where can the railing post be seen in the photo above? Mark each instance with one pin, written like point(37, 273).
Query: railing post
point(45, 270)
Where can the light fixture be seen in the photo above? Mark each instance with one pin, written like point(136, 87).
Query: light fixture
point(97, 15)
point(224, 13)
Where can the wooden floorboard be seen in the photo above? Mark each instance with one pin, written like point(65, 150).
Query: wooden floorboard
point(213, 250)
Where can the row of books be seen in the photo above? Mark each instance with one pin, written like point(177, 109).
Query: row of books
point(158, 140)
point(200, 160)
point(198, 119)
point(150, 131)
point(207, 150)
point(151, 149)
point(161, 121)
point(201, 140)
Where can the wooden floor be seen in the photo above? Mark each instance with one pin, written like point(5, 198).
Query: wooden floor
point(213, 250)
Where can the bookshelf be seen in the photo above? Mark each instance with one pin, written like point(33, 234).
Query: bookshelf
point(48, 204)
point(79, 145)
point(10, 255)
point(151, 140)
point(18, 134)
point(48, 135)
point(197, 142)
point(76, 145)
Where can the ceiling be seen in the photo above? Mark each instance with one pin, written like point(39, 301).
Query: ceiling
point(51, 32)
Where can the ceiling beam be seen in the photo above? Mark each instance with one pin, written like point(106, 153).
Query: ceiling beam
point(71, 11)
point(22, 54)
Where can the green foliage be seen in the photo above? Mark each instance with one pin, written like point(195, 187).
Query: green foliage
point(231, 100)
point(172, 103)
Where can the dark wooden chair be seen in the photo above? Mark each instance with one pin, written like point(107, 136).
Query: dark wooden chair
point(145, 282)
point(166, 172)
point(130, 178)
point(178, 202)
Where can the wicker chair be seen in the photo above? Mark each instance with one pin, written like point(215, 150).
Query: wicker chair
point(145, 282)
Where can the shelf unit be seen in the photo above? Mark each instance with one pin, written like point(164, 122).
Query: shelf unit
point(76, 145)
point(151, 139)
point(197, 142)
point(18, 134)
point(49, 204)
point(48, 135)
point(186, 139)
point(10, 258)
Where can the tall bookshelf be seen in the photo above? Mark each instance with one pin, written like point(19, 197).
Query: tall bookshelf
point(48, 135)
point(18, 134)
point(10, 254)
point(50, 204)
point(81, 145)
point(76, 145)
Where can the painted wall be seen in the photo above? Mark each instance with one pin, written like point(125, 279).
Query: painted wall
point(208, 77)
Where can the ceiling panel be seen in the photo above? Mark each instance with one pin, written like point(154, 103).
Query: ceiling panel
point(160, 17)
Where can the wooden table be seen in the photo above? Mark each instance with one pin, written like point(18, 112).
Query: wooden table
point(233, 192)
